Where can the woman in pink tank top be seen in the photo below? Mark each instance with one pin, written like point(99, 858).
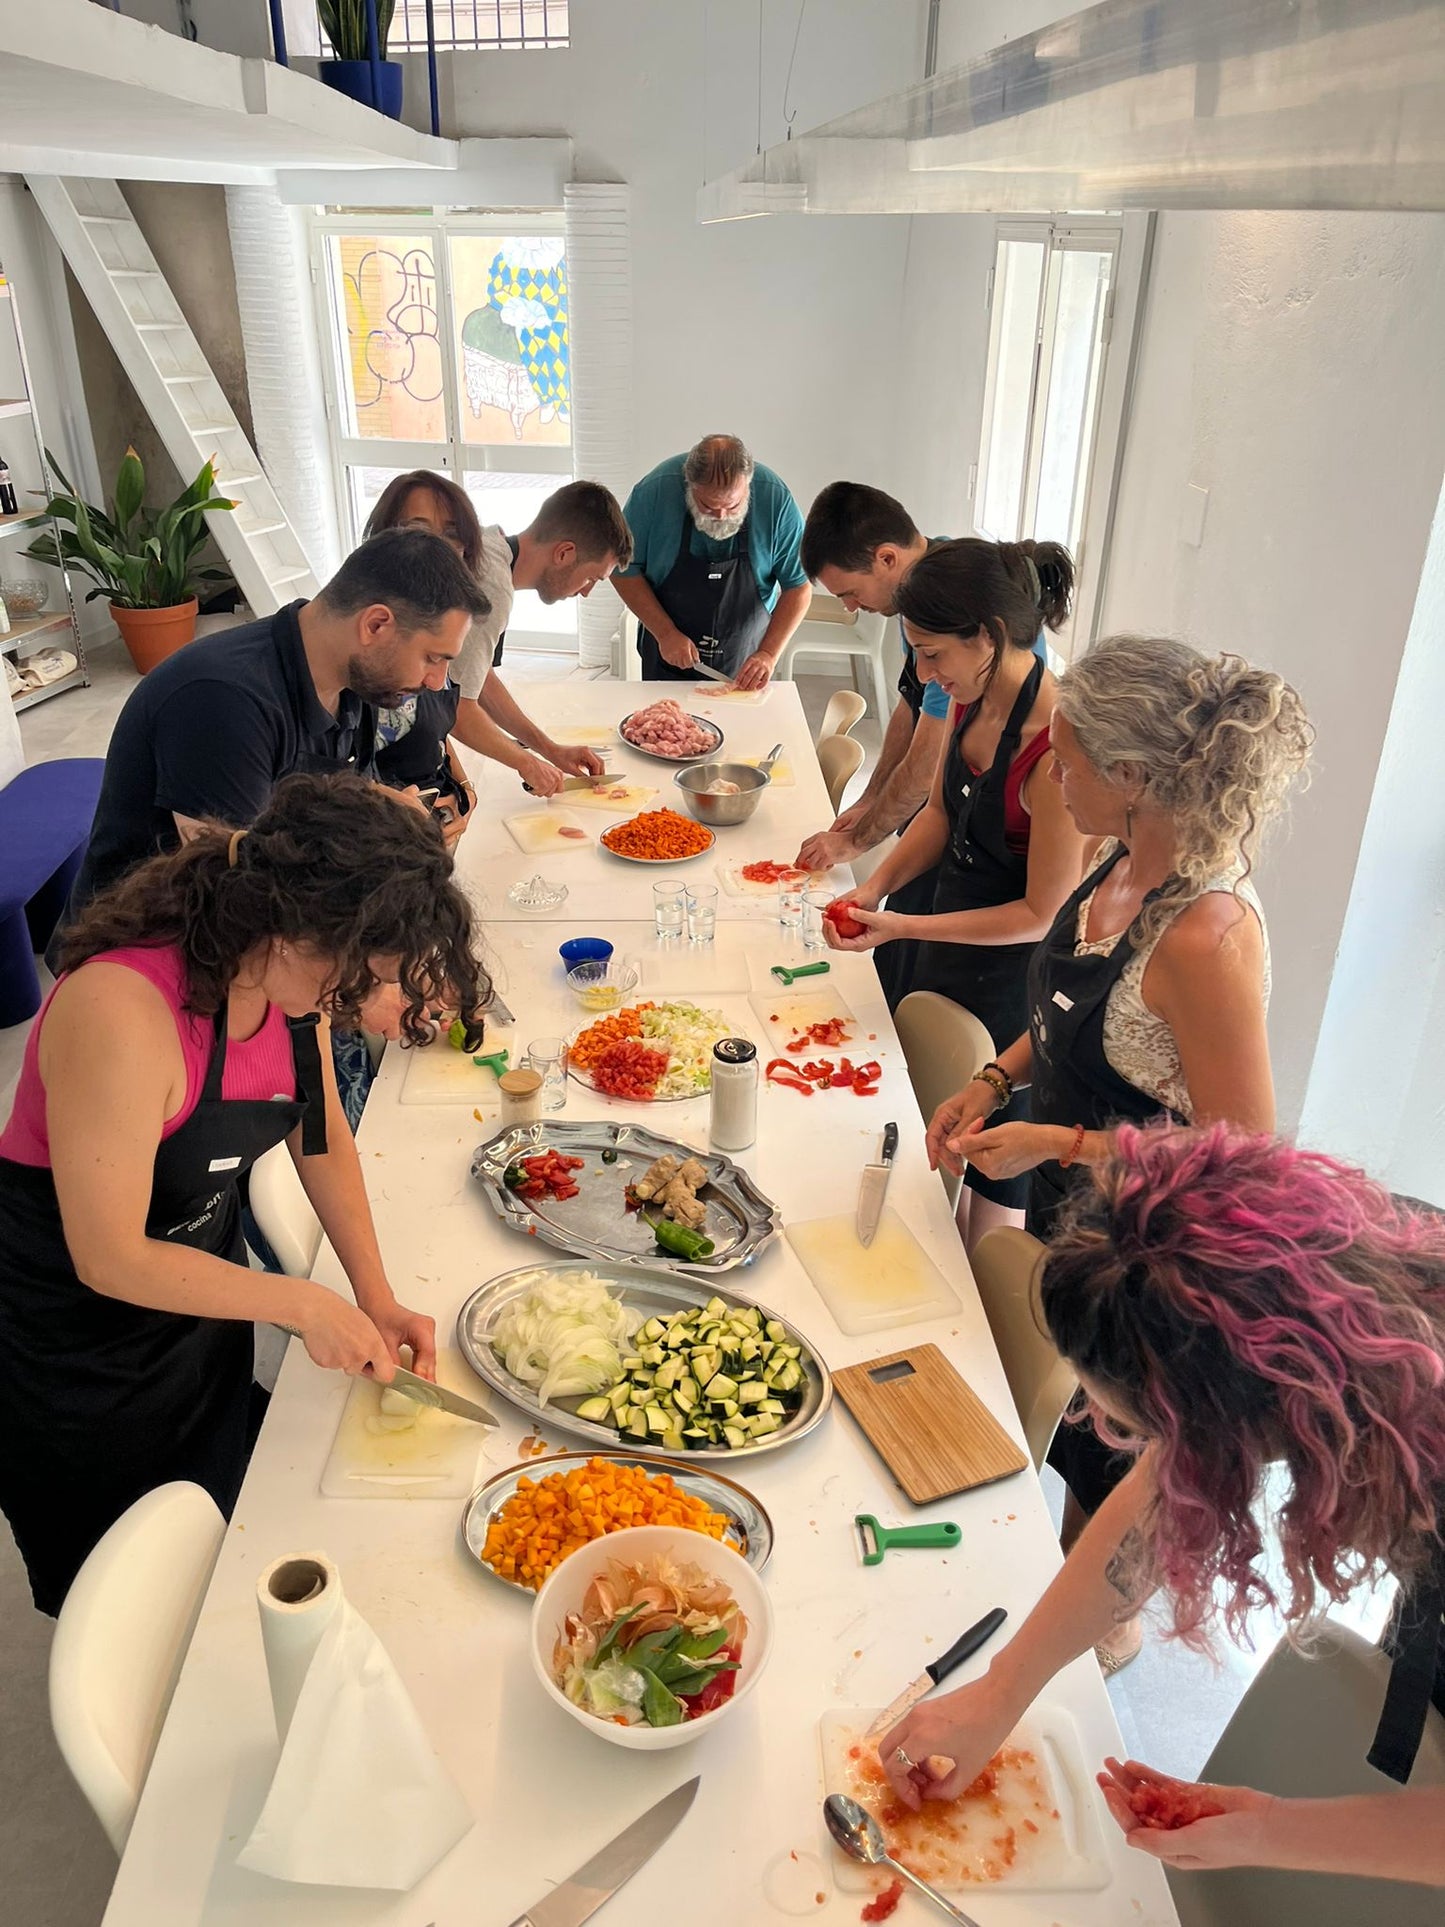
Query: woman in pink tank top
point(181, 1043)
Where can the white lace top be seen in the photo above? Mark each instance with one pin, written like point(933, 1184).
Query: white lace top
point(1139, 1045)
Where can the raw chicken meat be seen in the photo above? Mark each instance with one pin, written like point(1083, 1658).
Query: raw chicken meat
point(667, 729)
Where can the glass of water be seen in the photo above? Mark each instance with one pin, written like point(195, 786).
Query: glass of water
point(815, 902)
point(702, 912)
point(548, 1055)
point(790, 899)
point(668, 908)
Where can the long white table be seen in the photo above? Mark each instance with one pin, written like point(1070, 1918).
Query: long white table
point(545, 1793)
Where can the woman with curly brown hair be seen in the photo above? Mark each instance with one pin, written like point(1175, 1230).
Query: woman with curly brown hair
point(1232, 1305)
point(1147, 997)
point(180, 1043)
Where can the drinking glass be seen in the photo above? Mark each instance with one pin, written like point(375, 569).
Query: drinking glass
point(815, 902)
point(549, 1056)
point(702, 912)
point(668, 908)
point(790, 899)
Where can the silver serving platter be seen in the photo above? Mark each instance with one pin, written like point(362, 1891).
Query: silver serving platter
point(702, 756)
point(751, 1531)
point(660, 862)
point(654, 1293)
point(596, 1223)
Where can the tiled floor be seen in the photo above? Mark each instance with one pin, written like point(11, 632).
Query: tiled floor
point(55, 1864)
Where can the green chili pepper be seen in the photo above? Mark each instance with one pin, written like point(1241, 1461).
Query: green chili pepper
point(681, 1241)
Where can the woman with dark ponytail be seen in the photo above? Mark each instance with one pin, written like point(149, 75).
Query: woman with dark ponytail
point(180, 1043)
point(1007, 853)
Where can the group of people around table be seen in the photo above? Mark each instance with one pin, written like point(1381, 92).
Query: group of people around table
point(1069, 858)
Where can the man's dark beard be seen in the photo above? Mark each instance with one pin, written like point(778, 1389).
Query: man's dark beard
point(364, 681)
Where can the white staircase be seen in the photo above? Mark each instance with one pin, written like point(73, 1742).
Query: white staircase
point(111, 260)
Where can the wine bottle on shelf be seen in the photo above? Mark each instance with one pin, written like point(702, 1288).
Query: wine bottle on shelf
point(9, 505)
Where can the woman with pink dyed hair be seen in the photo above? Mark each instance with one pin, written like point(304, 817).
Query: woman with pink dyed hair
point(1230, 1302)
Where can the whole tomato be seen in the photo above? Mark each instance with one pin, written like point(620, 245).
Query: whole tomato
point(846, 926)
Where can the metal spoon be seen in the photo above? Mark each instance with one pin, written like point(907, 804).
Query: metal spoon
point(860, 1837)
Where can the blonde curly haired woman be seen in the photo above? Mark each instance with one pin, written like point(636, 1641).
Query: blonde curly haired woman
point(1147, 998)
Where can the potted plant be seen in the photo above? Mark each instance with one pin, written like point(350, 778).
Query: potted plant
point(349, 72)
point(143, 561)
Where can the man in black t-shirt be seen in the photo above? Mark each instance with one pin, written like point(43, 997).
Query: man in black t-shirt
point(210, 731)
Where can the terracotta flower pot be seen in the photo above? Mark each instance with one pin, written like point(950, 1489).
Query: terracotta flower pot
point(153, 634)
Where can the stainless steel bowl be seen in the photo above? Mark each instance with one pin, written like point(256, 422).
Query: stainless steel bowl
point(721, 811)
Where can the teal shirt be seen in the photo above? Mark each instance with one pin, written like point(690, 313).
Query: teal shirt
point(657, 515)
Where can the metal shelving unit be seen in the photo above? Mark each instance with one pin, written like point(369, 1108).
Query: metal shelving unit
point(25, 456)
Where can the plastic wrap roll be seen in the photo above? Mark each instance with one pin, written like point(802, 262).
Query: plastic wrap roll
point(299, 1595)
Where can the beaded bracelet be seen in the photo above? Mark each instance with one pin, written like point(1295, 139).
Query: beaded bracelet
point(996, 1083)
point(1074, 1148)
point(994, 1065)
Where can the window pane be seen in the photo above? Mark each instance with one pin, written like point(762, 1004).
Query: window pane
point(511, 502)
point(391, 358)
point(494, 24)
point(1073, 386)
point(509, 296)
point(1018, 281)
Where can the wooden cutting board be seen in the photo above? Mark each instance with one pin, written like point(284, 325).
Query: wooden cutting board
point(436, 1458)
point(935, 1435)
point(867, 1288)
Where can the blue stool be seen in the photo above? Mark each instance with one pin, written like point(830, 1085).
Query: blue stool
point(45, 818)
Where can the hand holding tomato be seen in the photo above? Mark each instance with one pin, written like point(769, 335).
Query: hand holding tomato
point(1186, 1824)
point(848, 926)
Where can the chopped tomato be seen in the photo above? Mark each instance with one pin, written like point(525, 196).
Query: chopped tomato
point(629, 1069)
point(770, 872)
point(881, 1906)
point(1171, 1805)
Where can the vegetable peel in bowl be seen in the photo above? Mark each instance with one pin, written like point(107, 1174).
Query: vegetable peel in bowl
point(657, 1644)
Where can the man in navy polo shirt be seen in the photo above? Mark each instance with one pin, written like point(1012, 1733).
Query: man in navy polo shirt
point(210, 731)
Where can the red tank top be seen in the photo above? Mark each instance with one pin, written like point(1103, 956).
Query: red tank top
point(261, 1067)
point(1016, 819)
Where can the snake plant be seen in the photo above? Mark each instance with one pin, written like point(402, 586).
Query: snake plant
point(345, 25)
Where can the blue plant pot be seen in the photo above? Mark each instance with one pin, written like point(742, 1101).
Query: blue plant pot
point(353, 78)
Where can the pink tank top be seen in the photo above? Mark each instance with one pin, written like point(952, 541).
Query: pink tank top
point(260, 1068)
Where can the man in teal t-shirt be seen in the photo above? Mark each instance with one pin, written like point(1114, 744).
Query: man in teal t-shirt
point(716, 578)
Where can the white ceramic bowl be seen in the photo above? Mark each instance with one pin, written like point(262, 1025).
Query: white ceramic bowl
point(563, 1593)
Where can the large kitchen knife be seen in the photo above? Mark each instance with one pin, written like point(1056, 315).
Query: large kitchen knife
point(874, 1186)
point(594, 1883)
point(426, 1393)
point(713, 675)
point(579, 783)
point(931, 1676)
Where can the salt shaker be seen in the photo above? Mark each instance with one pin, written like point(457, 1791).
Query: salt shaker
point(733, 1121)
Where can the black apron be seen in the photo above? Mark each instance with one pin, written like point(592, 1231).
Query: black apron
point(978, 871)
point(106, 1400)
point(895, 961)
point(714, 603)
point(420, 756)
point(1415, 1642)
point(1074, 1083)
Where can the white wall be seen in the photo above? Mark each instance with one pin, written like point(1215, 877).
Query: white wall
point(785, 331)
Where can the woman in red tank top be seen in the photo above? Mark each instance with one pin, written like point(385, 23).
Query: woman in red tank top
point(181, 1044)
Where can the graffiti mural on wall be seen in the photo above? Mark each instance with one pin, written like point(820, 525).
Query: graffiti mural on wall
point(515, 349)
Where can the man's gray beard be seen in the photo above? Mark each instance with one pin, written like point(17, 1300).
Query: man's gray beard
point(717, 528)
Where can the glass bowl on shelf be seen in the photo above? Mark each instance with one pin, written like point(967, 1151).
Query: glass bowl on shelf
point(24, 595)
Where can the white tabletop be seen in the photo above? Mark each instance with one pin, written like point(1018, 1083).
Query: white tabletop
point(546, 1793)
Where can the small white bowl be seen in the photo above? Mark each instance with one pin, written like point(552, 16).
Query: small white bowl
point(564, 1591)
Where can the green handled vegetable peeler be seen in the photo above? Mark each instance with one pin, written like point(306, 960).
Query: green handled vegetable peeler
point(785, 976)
point(874, 1540)
point(495, 1062)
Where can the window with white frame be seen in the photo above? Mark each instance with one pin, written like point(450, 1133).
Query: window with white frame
point(490, 26)
point(1042, 471)
point(447, 347)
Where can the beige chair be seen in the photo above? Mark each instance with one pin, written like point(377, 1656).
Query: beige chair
point(840, 758)
point(845, 708)
point(944, 1045)
point(282, 1209)
point(1303, 1730)
point(120, 1640)
point(1042, 1383)
point(857, 636)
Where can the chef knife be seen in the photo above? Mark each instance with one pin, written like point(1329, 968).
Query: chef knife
point(874, 1186)
point(498, 1010)
point(578, 783)
point(935, 1674)
point(593, 1884)
point(426, 1393)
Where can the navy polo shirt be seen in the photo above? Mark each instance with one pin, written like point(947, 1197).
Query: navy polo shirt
point(209, 733)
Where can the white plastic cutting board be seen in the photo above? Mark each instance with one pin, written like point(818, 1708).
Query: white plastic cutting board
point(781, 773)
point(583, 735)
point(867, 1288)
point(437, 1074)
point(1065, 1855)
point(539, 831)
point(813, 1000)
point(435, 1459)
point(730, 876)
point(622, 799)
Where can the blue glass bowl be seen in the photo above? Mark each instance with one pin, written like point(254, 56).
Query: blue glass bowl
point(584, 950)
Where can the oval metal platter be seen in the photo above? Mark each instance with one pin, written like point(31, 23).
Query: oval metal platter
point(659, 862)
point(658, 756)
point(596, 1223)
point(654, 1293)
point(750, 1529)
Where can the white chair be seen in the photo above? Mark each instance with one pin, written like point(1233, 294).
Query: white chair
point(840, 758)
point(282, 1209)
point(943, 1045)
point(845, 708)
point(1303, 1730)
point(856, 635)
point(1040, 1381)
point(120, 1640)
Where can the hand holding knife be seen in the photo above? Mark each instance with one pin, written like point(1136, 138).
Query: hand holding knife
point(934, 1675)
